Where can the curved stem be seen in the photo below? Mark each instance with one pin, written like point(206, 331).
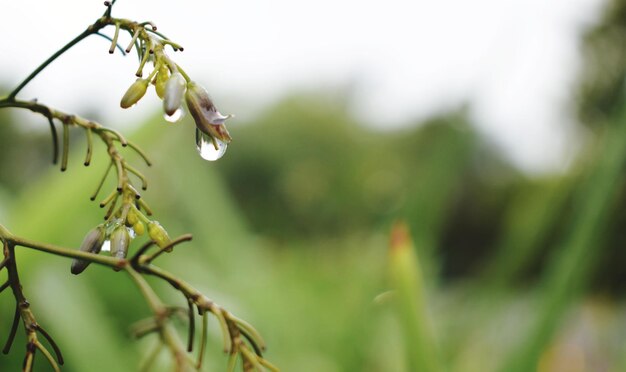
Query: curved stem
point(168, 334)
point(90, 30)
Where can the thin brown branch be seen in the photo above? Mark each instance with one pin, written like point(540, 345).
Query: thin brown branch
point(52, 343)
point(106, 173)
point(16, 321)
point(192, 326)
point(168, 247)
point(55, 140)
point(66, 147)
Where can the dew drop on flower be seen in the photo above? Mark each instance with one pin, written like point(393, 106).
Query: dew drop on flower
point(206, 148)
point(106, 246)
point(175, 117)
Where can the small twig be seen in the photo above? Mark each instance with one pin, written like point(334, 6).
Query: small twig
point(250, 356)
point(144, 59)
point(232, 362)
point(140, 152)
point(48, 356)
point(250, 333)
point(144, 327)
point(132, 41)
point(151, 357)
point(203, 339)
point(109, 212)
point(117, 134)
point(133, 190)
point(89, 146)
point(55, 141)
point(70, 253)
point(159, 34)
point(226, 338)
point(145, 207)
point(16, 322)
point(54, 345)
point(152, 25)
point(168, 247)
point(29, 359)
point(174, 45)
point(113, 44)
point(106, 173)
point(142, 178)
point(265, 363)
point(108, 199)
point(135, 259)
point(120, 174)
point(192, 325)
point(92, 29)
point(66, 146)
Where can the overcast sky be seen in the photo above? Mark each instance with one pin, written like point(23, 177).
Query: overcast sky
point(514, 61)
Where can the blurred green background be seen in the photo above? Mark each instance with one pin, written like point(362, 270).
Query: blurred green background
point(291, 232)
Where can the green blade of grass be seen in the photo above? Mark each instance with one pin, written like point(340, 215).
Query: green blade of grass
point(566, 276)
point(411, 304)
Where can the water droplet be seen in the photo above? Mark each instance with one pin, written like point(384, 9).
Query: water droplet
point(106, 246)
point(206, 147)
point(175, 117)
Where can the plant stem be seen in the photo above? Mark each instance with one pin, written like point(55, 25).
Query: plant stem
point(167, 332)
point(90, 30)
point(24, 312)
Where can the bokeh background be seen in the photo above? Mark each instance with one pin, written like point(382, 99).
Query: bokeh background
point(495, 129)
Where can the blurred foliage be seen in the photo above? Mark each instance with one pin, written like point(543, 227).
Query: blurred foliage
point(23, 152)
point(602, 90)
point(291, 232)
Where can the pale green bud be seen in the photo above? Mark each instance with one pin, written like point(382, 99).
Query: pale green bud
point(206, 116)
point(161, 80)
point(139, 228)
point(120, 239)
point(131, 218)
point(134, 93)
point(158, 234)
point(174, 91)
point(93, 244)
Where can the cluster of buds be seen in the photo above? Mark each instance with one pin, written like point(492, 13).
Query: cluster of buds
point(173, 85)
point(116, 235)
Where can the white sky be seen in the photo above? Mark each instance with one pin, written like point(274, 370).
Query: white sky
point(515, 61)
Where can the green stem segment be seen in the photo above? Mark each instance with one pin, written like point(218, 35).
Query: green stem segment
point(90, 30)
point(564, 280)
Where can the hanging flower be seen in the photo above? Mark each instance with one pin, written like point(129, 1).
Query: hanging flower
point(120, 240)
point(91, 244)
point(174, 91)
point(205, 114)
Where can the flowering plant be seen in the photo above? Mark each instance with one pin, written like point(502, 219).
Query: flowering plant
point(128, 215)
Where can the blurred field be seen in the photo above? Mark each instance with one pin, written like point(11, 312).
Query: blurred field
point(507, 272)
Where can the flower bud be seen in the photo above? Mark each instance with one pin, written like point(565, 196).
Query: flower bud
point(206, 116)
point(139, 228)
point(120, 239)
point(93, 244)
point(160, 81)
point(174, 91)
point(131, 218)
point(134, 93)
point(158, 234)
